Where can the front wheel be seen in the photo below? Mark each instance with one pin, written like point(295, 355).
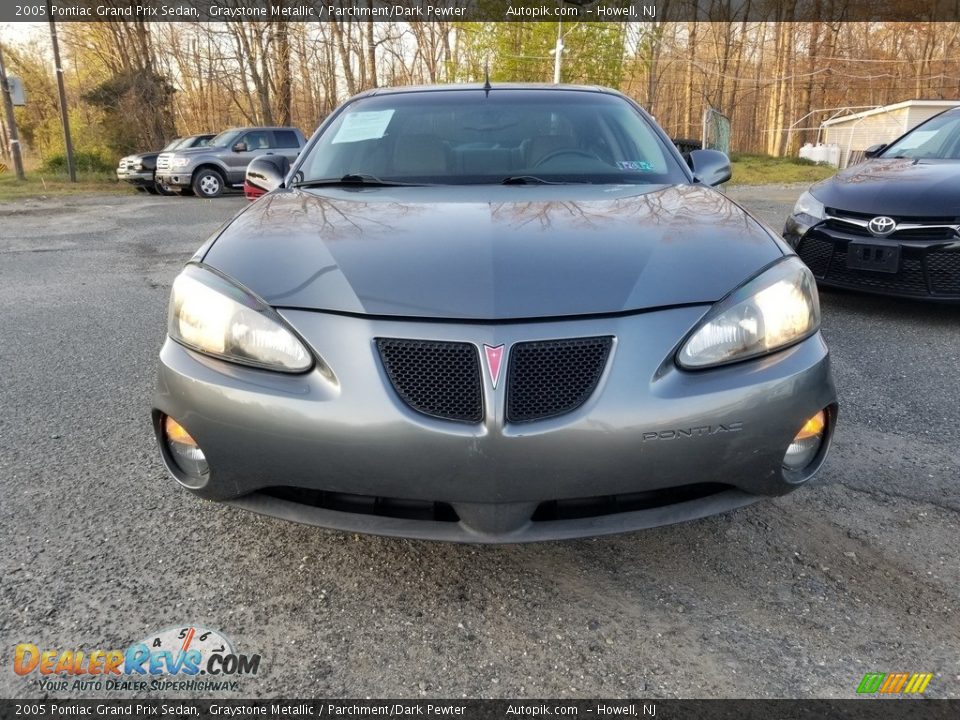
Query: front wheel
point(208, 183)
point(163, 189)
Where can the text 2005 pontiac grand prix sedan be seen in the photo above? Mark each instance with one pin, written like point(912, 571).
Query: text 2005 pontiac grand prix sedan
point(493, 315)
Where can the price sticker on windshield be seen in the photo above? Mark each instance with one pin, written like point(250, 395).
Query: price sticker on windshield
point(363, 126)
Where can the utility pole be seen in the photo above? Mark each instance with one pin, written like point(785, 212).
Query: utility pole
point(558, 54)
point(558, 49)
point(64, 112)
point(11, 121)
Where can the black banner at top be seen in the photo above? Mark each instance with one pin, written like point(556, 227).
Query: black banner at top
point(638, 11)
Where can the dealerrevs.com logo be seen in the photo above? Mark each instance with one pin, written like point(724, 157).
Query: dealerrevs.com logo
point(190, 658)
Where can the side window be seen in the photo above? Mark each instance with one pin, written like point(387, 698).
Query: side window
point(286, 139)
point(256, 140)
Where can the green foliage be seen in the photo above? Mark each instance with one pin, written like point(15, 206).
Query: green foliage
point(137, 111)
point(85, 162)
point(766, 169)
point(521, 51)
point(39, 121)
point(41, 184)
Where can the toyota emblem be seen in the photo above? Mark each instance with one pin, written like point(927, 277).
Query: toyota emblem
point(882, 225)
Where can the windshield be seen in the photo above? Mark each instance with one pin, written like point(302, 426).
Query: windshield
point(172, 144)
point(224, 139)
point(473, 137)
point(938, 139)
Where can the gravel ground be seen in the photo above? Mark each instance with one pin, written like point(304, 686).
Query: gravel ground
point(793, 597)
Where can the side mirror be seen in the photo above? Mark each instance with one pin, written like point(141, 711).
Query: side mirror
point(710, 167)
point(874, 150)
point(240, 147)
point(267, 172)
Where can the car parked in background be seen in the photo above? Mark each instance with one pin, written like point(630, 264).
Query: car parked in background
point(140, 170)
point(891, 224)
point(210, 170)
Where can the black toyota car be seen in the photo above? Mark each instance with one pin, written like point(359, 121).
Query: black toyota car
point(891, 224)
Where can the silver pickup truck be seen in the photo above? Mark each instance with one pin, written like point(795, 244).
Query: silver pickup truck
point(138, 170)
point(221, 164)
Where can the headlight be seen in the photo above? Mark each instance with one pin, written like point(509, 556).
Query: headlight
point(179, 162)
point(809, 206)
point(213, 316)
point(777, 308)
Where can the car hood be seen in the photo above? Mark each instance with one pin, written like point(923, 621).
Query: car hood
point(492, 252)
point(913, 188)
point(193, 150)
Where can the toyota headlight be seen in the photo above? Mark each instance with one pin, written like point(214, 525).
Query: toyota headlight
point(178, 162)
point(810, 210)
point(212, 315)
point(777, 308)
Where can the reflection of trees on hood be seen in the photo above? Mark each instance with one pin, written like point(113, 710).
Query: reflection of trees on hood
point(677, 208)
point(332, 220)
point(881, 170)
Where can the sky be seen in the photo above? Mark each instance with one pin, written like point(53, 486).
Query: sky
point(16, 33)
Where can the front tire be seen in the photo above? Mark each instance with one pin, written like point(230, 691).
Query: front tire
point(163, 189)
point(208, 183)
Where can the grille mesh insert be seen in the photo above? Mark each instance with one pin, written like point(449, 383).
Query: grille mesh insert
point(552, 377)
point(440, 379)
point(909, 280)
point(816, 254)
point(944, 271)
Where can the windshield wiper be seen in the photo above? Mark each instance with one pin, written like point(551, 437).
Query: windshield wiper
point(360, 179)
point(530, 180)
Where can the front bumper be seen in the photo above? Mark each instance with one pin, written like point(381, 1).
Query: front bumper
point(928, 268)
point(174, 178)
point(140, 178)
point(653, 445)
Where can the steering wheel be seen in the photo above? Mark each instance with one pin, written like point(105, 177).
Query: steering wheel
point(559, 153)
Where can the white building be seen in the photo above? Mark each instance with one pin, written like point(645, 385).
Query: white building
point(856, 132)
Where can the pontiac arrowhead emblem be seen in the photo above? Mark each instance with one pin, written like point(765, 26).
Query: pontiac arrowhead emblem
point(494, 358)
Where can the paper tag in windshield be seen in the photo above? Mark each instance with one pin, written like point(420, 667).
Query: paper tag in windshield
point(635, 165)
point(363, 126)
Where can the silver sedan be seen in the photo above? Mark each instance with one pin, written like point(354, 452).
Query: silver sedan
point(493, 314)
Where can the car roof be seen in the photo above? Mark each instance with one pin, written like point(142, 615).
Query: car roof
point(492, 87)
point(261, 127)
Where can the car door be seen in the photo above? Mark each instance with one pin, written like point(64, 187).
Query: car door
point(287, 143)
point(253, 143)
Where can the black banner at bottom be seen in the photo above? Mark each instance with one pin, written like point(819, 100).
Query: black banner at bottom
point(858, 709)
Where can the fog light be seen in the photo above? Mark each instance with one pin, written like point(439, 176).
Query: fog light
point(184, 449)
point(806, 444)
